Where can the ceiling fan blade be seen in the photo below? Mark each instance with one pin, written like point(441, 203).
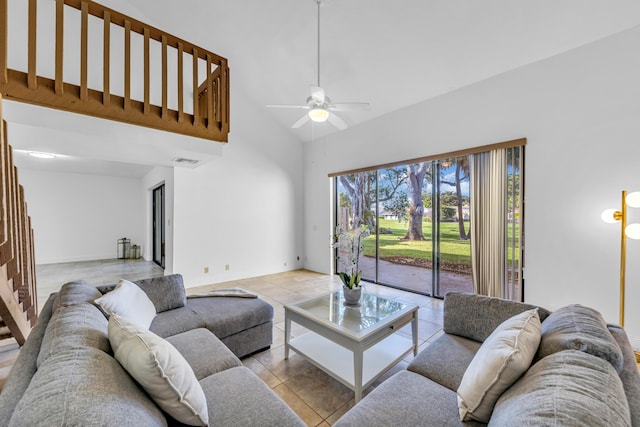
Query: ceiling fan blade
point(317, 94)
point(299, 107)
point(350, 106)
point(337, 121)
point(302, 120)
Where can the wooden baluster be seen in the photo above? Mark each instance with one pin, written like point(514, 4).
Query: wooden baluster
point(147, 85)
point(106, 62)
point(32, 78)
point(4, 40)
point(84, 52)
point(216, 99)
point(180, 84)
point(209, 94)
point(127, 64)
point(224, 99)
point(59, 84)
point(164, 79)
point(196, 114)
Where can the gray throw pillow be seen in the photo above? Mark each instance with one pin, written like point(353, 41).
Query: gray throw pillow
point(569, 388)
point(576, 327)
point(165, 292)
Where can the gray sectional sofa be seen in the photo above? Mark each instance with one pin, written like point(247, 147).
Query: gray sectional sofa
point(66, 373)
point(583, 374)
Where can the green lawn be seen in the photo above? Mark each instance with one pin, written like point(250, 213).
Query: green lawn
point(452, 249)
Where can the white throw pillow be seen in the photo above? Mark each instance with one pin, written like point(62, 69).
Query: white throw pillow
point(503, 357)
point(129, 301)
point(160, 369)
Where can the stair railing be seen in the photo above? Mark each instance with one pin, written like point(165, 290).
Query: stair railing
point(209, 117)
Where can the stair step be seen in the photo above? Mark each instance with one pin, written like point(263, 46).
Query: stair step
point(5, 334)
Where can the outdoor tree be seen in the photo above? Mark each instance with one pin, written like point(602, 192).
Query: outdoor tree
point(362, 196)
point(357, 186)
point(461, 173)
point(345, 200)
point(447, 212)
point(398, 206)
point(416, 173)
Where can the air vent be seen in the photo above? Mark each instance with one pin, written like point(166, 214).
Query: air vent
point(183, 160)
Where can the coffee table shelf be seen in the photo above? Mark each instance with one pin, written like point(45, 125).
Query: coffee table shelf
point(337, 361)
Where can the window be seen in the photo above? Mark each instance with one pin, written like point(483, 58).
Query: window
point(419, 214)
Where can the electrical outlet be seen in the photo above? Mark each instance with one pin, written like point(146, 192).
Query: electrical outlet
point(226, 267)
point(297, 258)
point(206, 270)
point(285, 263)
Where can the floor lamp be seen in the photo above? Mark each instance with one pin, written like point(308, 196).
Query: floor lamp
point(631, 231)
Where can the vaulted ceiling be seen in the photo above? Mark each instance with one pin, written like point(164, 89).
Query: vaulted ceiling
point(390, 53)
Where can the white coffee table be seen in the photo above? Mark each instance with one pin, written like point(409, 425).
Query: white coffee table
point(355, 345)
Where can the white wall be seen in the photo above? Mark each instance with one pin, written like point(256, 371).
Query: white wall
point(81, 217)
point(152, 180)
point(580, 112)
point(244, 209)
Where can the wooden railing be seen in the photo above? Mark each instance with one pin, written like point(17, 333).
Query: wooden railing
point(18, 296)
point(209, 117)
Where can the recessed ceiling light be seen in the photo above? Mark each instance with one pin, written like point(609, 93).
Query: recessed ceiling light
point(42, 155)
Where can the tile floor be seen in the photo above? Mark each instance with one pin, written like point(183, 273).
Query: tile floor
point(316, 397)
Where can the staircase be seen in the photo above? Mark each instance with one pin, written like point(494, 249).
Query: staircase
point(191, 96)
point(18, 297)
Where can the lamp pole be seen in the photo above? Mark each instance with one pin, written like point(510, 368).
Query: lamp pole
point(623, 253)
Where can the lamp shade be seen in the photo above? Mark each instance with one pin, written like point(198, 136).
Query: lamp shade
point(633, 199)
point(633, 231)
point(318, 115)
point(609, 216)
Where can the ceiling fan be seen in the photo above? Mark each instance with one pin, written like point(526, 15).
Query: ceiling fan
point(318, 105)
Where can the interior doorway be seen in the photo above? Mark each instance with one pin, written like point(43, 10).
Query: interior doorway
point(158, 225)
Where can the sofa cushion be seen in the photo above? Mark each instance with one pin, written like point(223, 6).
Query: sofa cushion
point(77, 292)
point(176, 321)
point(165, 292)
point(226, 316)
point(576, 327)
point(445, 360)
point(466, 314)
point(129, 301)
point(565, 388)
point(74, 326)
point(84, 386)
point(405, 400)
point(504, 356)
point(204, 352)
point(160, 369)
point(237, 397)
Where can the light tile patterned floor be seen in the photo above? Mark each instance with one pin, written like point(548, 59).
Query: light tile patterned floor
point(316, 397)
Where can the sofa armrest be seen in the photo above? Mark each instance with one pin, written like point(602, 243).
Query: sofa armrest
point(25, 365)
point(476, 316)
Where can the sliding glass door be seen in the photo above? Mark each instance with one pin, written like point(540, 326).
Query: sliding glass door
point(418, 214)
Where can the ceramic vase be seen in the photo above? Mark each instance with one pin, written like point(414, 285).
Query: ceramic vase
point(352, 296)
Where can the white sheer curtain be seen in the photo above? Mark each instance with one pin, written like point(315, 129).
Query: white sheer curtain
point(488, 221)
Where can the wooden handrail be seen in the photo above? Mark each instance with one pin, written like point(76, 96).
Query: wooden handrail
point(210, 117)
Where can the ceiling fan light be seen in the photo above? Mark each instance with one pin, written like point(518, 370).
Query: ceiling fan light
point(318, 115)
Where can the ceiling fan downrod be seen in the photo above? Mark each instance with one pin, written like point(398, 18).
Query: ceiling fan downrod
point(318, 4)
